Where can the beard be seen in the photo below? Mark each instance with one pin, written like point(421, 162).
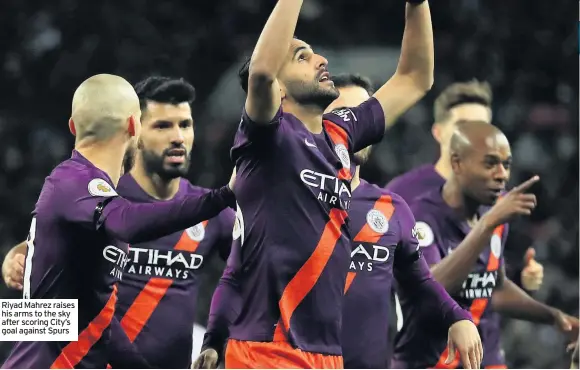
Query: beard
point(155, 163)
point(311, 93)
point(129, 158)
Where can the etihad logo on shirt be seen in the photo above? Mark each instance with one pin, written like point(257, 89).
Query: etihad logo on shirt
point(118, 258)
point(363, 257)
point(479, 285)
point(170, 264)
point(331, 190)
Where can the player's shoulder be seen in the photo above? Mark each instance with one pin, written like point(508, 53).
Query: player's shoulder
point(427, 203)
point(72, 177)
point(412, 175)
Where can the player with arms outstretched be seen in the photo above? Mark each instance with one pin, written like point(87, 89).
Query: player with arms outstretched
point(77, 245)
point(294, 165)
point(463, 240)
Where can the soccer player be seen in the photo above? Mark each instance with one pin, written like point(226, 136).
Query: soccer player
point(462, 239)
point(470, 101)
point(162, 277)
point(384, 244)
point(294, 167)
point(77, 244)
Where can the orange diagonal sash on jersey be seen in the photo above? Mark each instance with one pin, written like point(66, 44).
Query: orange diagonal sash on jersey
point(477, 307)
point(367, 235)
point(338, 136)
point(309, 273)
point(146, 302)
point(73, 353)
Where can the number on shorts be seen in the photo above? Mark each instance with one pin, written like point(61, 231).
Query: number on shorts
point(28, 262)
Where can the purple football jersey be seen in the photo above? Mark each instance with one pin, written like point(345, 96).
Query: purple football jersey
point(293, 191)
point(158, 295)
point(67, 258)
point(416, 182)
point(440, 231)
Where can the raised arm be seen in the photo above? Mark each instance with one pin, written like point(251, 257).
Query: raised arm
point(452, 270)
point(263, 100)
point(414, 74)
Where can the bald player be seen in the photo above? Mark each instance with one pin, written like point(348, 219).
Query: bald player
point(462, 228)
point(77, 244)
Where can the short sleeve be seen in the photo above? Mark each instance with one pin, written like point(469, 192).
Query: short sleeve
point(252, 136)
point(425, 231)
point(227, 220)
point(409, 244)
point(83, 199)
point(365, 124)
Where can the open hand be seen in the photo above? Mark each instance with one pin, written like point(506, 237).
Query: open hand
point(464, 338)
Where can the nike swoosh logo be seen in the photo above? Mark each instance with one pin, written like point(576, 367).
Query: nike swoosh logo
point(312, 145)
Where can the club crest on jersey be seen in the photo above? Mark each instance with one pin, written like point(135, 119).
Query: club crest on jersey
point(196, 233)
point(496, 245)
point(377, 221)
point(343, 155)
point(100, 188)
point(423, 233)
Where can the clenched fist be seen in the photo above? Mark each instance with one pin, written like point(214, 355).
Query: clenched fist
point(533, 272)
point(13, 270)
point(207, 359)
point(464, 338)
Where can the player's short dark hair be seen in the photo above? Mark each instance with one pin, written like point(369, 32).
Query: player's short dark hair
point(474, 91)
point(165, 90)
point(353, 79)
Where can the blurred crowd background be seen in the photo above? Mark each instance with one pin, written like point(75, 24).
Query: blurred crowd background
point(526, 49)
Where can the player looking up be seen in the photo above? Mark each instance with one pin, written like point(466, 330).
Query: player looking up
point(294, 165)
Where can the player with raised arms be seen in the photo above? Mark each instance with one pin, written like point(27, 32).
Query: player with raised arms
point(294, 165)
point(462, 228)
point(77, 245)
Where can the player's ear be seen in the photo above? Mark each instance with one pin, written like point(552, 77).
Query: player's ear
point(71, 127)
point(131, 126)
point(436, 132)
point(455, 163)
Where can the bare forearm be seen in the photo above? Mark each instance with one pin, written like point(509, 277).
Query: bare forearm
point(514, 302)
point(454, 269)
point(417, 50)
point(274, 41)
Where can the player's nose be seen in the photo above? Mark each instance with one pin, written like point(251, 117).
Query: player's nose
point(177, 136)
point(321, 62)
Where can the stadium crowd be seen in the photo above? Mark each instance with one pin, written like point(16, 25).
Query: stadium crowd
point(529, 61)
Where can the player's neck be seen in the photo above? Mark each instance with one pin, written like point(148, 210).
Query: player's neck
point(310, 116)
point(153, 184)
point(105, 156)
point(355, 179)
point(443, 166)
point(456, 199)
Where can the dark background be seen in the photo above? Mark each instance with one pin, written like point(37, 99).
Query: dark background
point(526, 49)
